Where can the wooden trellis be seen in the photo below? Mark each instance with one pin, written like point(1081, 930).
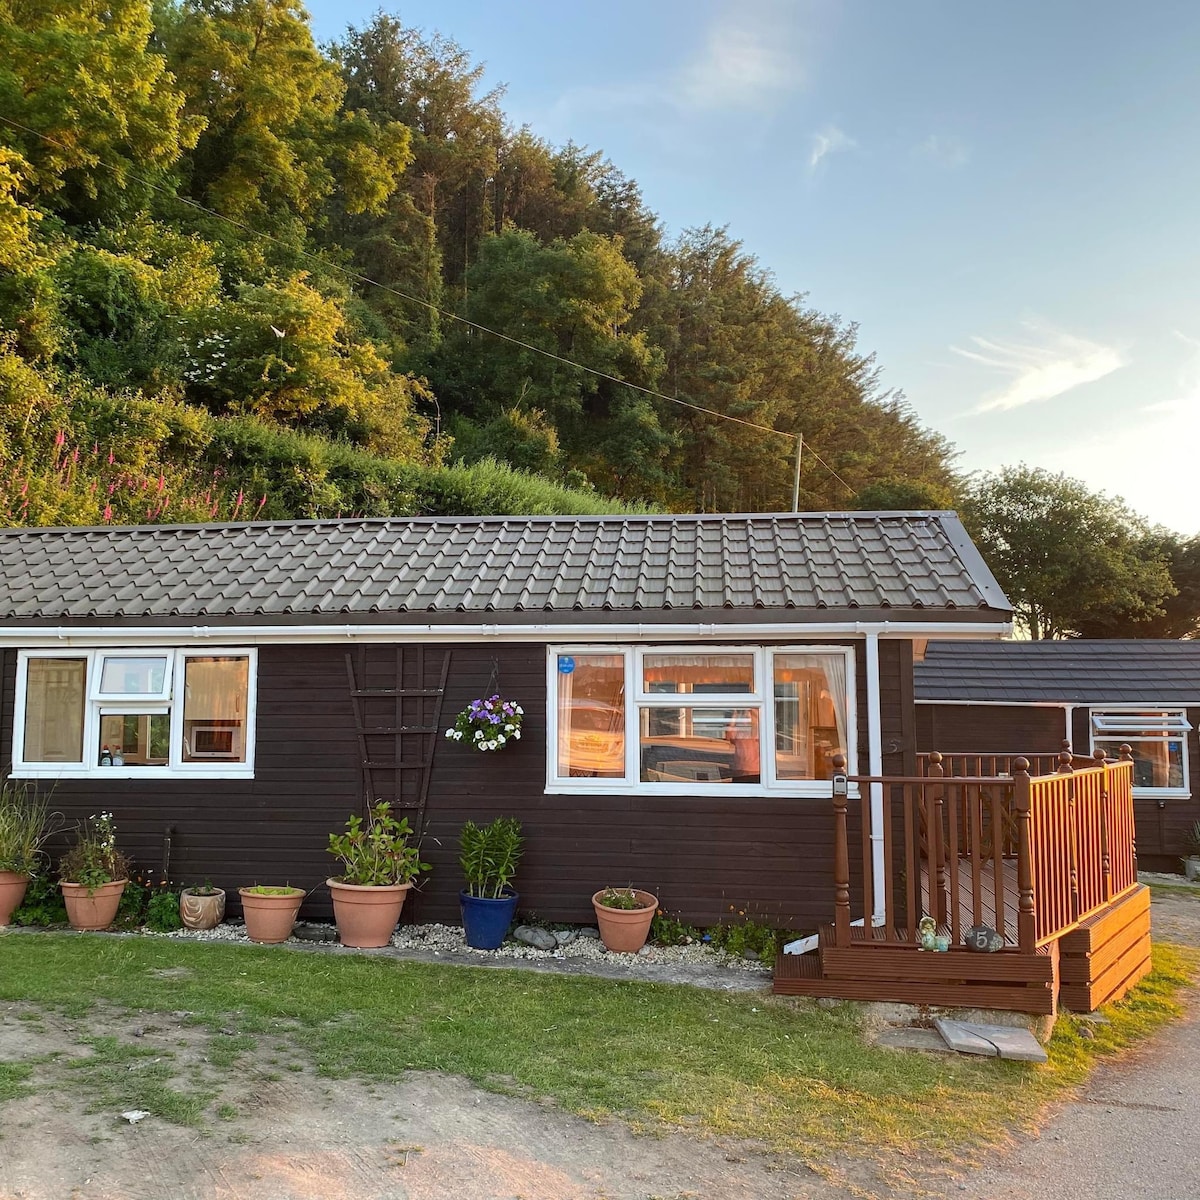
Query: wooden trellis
point(397, 692)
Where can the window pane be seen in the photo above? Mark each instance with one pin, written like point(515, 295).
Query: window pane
point(703, 745)
point(1157, 762)
point(698, 672)
point(134, 739)
point(591, 716)
point(811, 707)
point(134, 675)
point(54, 697)
point(215, 700)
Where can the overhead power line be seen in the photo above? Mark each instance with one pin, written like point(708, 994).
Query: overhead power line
point(446, 313)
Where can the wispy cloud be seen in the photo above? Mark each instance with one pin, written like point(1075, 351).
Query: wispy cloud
point(944, 150)
point(1047, 365)
point(830, 140)
point(745, 63)
point(749, 56)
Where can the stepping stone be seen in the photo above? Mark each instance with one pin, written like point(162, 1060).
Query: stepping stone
point(991, 1041)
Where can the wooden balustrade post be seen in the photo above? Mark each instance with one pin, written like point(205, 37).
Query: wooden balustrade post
point(939, 900)
point(1126, 751)
point(1067, 767)
point(1022, 806)
point(841, 854)
point(1105, 861)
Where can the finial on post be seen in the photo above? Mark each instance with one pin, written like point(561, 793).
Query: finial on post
point(838, 762)
point(1126, 751)
point(1099, 755)
point(1020, 766)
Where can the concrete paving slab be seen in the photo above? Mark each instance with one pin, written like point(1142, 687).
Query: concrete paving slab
point(992, 1041)
point(906, 1037)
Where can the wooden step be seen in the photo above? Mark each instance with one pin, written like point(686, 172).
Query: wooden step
point(801, 975)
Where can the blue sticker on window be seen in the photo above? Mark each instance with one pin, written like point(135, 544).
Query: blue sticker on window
point(566, 664)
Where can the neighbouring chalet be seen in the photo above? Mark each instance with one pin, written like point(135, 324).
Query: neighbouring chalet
point(231, 693)
point(979, 700)
point(686, 682)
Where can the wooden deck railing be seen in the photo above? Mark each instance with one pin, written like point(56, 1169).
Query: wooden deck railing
point(1030, 856)
point(975, 764)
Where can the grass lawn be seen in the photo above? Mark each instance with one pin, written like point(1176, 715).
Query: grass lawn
point(796, 1076)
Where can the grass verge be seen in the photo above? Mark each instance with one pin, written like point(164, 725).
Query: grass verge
point(797, 1076)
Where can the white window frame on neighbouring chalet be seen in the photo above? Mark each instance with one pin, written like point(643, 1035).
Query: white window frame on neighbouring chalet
point(637, 698)
point(167, 700)
point(1112, 724)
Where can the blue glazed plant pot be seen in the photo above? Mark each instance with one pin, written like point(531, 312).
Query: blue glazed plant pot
point(486, 921)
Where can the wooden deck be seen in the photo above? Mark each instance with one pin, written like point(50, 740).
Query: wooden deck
point(1047, 862)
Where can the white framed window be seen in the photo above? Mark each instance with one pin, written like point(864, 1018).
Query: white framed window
point(1158, 739)
point(135, 713)
point(742, 720)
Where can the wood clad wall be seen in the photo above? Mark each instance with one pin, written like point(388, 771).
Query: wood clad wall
point(990, 729)
point(703, 856)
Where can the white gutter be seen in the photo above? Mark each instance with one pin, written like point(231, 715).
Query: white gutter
point(30, 637)
point(875, 767)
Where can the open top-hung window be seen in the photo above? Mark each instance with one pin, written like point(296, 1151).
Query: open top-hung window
point(1158, 739)
point(133, 712)
point(675, 719)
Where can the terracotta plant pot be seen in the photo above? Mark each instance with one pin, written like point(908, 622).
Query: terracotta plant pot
point(366, 916)
point(625, 929)
point(93, 908)
point(270, 916)
point(12, 892)
point(200, 911)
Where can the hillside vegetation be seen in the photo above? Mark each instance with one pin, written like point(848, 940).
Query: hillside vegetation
point(193, 196)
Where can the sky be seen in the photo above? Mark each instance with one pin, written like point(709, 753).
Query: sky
point(1003, 197)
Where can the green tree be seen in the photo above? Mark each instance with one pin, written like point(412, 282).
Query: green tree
point(277, 140)
point(84, 76)
point(1179, 614)
point(1066, 557)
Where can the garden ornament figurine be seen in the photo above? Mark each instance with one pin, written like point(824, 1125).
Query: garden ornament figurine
point(927, 928)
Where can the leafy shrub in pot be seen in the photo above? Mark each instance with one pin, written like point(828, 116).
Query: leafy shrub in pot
point(93, 874)
point(24, 825)
point(489, 855)
point(270, 911)
point(379, 867)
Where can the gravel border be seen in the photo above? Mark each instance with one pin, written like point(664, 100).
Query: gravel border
point(581, 953)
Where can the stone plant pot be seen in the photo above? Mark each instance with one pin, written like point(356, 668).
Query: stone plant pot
point(198, 910)
point(625, 930)
point(1191, 867)
point(93, 908)
point(366, 916)
point(270, 917)
point(12, 892)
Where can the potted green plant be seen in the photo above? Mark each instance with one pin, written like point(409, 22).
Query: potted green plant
point(93, 874)
point(23, 828)
point(270, 911)
point(1191, 864)
point(624, 916)
point(489, 857)
point(202, 907)
point(379, 867)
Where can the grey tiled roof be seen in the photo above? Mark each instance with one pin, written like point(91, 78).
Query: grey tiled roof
point(500, 568)
point(1133, 671)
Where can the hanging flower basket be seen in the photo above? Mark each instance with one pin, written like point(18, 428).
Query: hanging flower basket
point(488, 724)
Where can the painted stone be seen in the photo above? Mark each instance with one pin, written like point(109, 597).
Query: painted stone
point(984, 939)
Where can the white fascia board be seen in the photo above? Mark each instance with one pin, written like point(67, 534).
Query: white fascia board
point(1009, 703)
point(160, 635)
point(1110, 705)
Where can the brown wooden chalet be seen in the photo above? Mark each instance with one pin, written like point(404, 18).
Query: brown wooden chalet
point(232, 692)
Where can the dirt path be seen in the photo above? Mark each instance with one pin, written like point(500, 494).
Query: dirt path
point(290, 1135)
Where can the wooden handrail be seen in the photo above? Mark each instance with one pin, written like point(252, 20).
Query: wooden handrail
point(1050, 849)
